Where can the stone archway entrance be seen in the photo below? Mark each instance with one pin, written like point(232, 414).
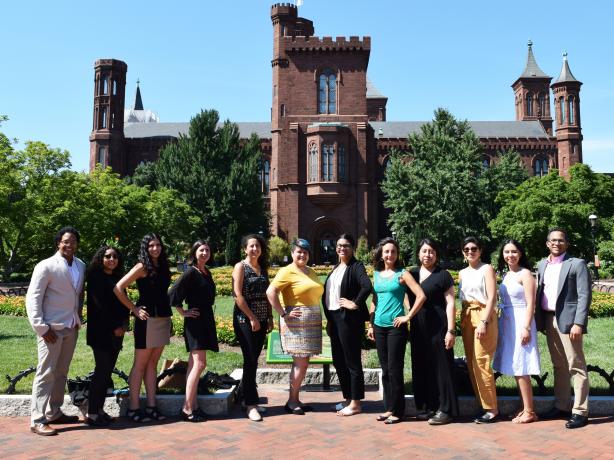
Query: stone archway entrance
point(324, 238)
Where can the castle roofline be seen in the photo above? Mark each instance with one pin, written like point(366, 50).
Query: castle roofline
point(566, 76)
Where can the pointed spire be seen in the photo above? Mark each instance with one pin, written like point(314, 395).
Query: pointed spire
point(566, 75)
point(138, 102)
point(532, 70)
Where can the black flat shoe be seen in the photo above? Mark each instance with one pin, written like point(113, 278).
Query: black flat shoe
point(577, 421)
point(98, 422)
point(554, 413)
point(487, 418)
point(425, 415)
point(392, 420)
point(296, 411)
point(193, 417)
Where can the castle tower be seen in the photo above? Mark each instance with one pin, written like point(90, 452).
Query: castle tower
point(532, 93)
point(566, 93)
point(320, 183)
point(107, 137)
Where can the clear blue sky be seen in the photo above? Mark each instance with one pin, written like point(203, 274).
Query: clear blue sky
point(216, 54)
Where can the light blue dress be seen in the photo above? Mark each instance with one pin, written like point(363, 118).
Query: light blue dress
point(511, 357)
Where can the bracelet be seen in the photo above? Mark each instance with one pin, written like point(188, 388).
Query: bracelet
point(484, 322)
point(451, 331)
point(281, 316)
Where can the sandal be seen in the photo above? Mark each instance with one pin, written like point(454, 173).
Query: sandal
point(193, 417)
point(347, 412)
point(382, 417)
point(526, 416)
point(137, 416)
point(152, 413)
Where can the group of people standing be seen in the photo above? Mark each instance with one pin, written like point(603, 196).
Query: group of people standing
point(422, 298)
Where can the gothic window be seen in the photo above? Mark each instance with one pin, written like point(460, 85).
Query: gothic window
point(114, 87)
point(486, 163)
point(570, 112)
point(105, 85)
point(283, 110)
point(562, 111)
point(341, 161)
point(313, 162)
point(529, 105)
point(103, 118)
point(540, 168)
point(95, 117)
point(542, 104)
point(327, 92)
point(266, 169)
point(328, 153)
point(102, 156)
point(113, 120)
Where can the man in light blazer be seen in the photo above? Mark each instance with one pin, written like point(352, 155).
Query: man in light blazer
point(563, 299)
point(54, 302)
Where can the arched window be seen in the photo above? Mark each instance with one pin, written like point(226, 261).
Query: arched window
point(529, 105)
point(544, 167)
point(341, 161)
point(313, 162)
point(537, 168)
point(114, 87)
point(328, 154)
point(103, 118)
point(266, 169)
point(542, 105)
point(540, 168)
point(105, 85)
point(327, 92)
point(570, 112)
point(486, 163)
point(562, 111)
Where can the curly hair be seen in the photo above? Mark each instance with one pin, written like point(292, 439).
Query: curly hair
point(263, 260)
point(97, 264)
point(378, 262)
point(145, 258)
point(523, 261)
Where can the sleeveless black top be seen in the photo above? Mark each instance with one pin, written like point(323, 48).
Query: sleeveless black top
point(254, 291)
point(153, 294)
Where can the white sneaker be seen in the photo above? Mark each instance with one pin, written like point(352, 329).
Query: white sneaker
point(254, 415)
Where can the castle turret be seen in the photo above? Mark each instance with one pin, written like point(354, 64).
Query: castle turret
point(566, 90)
point(107, 137)
point(532, 93)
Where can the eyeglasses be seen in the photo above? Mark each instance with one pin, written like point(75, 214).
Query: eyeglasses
point(557, 241)
point(344, 246)
point(471, 249)
point(111, 256)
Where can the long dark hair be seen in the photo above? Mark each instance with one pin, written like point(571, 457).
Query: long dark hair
point(145, 258)
point(523, 261)
point(434, 246)
point(97, 262)
point(197, 244)
point(378, 262)
point(263, 260)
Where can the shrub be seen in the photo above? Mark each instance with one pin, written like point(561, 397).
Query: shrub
point(278, 249)
point(363, 253)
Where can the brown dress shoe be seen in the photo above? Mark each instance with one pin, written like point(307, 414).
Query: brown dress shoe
point(43, 429)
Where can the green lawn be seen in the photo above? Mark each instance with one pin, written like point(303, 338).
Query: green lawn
point(18, 351)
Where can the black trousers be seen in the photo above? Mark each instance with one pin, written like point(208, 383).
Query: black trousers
point(390, 343)
point(105, 360)
point(432, 372)
point(251, 347)
point(345, 333)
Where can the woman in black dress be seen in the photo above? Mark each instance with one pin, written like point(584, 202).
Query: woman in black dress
point(152, 326)
point(252, 317)
point(196, 288)
point(107, 321)
point(432, 336)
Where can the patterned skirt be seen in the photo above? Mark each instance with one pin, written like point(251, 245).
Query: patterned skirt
point(302, 337)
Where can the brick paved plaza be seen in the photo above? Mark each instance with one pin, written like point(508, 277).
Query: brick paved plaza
point(315, 435)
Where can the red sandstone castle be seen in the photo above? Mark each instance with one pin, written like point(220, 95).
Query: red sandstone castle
point(327, 144)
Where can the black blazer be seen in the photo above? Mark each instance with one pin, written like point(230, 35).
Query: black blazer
point(105, 312)
point(355, 286)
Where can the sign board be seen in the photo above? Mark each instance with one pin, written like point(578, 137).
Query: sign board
point(276, 355)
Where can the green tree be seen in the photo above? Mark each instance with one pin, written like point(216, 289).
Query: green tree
point(278, 249)
point(436, 191)
point(217, 174)
point(363, 253)
point(528, 211)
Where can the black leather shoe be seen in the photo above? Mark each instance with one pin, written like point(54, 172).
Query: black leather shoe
point(488, 417)
point(554, 413)
point(425, 415)
point(98, 422)
point(576, 421)
point(296, 411)
point(440, 418)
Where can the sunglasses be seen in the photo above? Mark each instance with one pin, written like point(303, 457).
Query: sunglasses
point(110, 256)
point(471, 249)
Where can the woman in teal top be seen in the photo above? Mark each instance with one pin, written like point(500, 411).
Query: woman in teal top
point(389, 324)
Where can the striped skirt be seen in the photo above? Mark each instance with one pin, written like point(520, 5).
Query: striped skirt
point(302, 337)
